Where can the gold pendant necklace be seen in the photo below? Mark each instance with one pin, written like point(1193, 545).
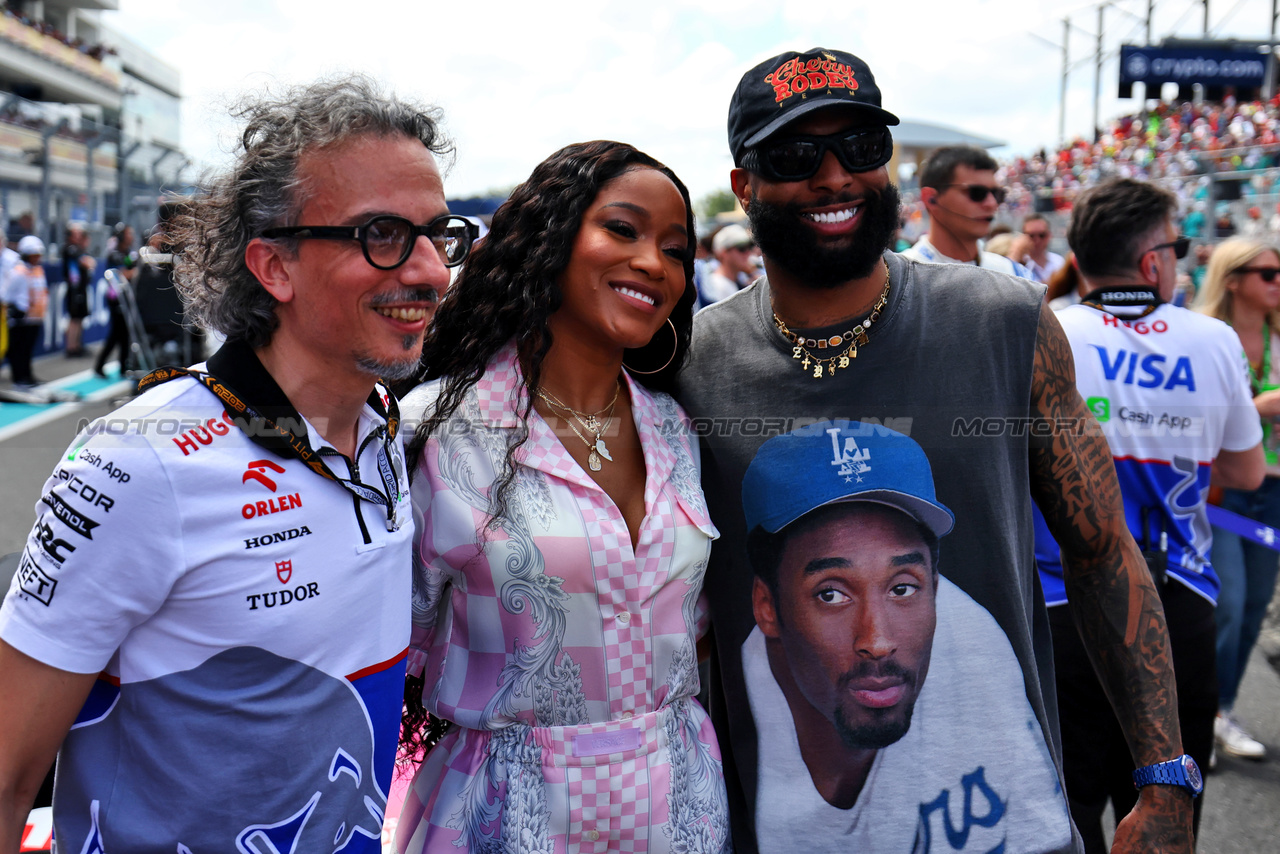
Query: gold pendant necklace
point(591, 423)
point(856, 337)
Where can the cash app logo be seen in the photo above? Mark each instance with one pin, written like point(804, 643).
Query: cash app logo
point(1100, 407)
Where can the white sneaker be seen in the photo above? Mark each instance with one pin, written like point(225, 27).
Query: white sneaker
point(1234, 741)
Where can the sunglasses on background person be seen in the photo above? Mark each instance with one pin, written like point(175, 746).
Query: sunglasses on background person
point(797, 157)
point(1268, 274)
point(388, 241)
point(978, 192)
point(1180, 245)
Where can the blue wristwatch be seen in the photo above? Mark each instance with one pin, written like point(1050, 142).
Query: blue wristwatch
point(1182, 771)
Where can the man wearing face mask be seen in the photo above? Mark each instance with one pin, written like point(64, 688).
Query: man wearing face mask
point(970, 364)
point(959, 190)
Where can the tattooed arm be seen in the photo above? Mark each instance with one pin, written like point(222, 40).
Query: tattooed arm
point(1109, 589)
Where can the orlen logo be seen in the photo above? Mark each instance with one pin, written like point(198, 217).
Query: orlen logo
point(192, 439)
point(257, 472)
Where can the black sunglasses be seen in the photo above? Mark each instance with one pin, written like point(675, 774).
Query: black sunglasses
point(1180, 246)
point(1268, 274)
point(795, 158)
point(388, 241)
point(978, 192)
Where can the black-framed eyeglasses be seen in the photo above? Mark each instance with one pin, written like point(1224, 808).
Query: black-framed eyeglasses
point(978, 192)
point(1268, 274)
point(797, 157)
point(388, 240)
point(1180, 245)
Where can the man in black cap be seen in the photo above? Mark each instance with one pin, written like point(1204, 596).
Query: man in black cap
point(971, 365)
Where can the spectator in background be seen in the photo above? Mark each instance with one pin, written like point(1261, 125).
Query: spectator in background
point(735, 249)
point(704, 264)
point(26, 298)
point(1255, 226)
point(26, 224)
point(1041, 263)
point(1224, 227)
point(1064, 286)
point(959, 190)
point(1204, 251)
point(124, 260)
point(1193, 225)
point(77, 269)
point(8, 259)
point(1274, 223)
point(1003, 244)
point(1126, 252)
point(1242, 287)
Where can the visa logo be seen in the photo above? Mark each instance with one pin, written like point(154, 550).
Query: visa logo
point(1151, 371)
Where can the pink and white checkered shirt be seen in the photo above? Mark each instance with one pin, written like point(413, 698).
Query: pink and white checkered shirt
point(566, 658)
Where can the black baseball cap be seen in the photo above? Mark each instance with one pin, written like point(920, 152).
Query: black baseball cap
point(782, 89)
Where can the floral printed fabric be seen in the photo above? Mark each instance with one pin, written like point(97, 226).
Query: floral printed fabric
point(566, 657)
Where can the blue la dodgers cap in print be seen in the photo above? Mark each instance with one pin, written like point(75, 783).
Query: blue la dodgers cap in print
point(831, 462)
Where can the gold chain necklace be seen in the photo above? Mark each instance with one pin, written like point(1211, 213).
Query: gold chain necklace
point(857, 336)
point(591, 423)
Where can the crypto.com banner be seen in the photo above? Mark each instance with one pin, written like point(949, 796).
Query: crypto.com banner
point(1155, 65)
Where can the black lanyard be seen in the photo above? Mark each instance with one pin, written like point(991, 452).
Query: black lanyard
point(286, 434)
point(1106, 299)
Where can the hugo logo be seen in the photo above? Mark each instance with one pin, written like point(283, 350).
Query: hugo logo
point(204, 434)
point(257, 471)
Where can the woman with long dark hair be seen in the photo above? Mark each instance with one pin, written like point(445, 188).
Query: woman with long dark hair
point(561, 530)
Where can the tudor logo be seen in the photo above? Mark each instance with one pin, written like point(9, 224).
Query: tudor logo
point(288, 596)
point(284, 570)
point(257, 472)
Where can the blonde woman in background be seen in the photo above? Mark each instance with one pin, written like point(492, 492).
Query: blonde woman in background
point(1242, 287)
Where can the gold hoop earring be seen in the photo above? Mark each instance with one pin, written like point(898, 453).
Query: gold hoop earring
point(675, 345)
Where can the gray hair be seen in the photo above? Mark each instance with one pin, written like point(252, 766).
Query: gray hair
point(263, 190)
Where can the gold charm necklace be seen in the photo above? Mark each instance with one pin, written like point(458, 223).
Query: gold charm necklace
point(803, 348)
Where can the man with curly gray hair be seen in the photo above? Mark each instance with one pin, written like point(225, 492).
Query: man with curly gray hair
point(220, 676)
